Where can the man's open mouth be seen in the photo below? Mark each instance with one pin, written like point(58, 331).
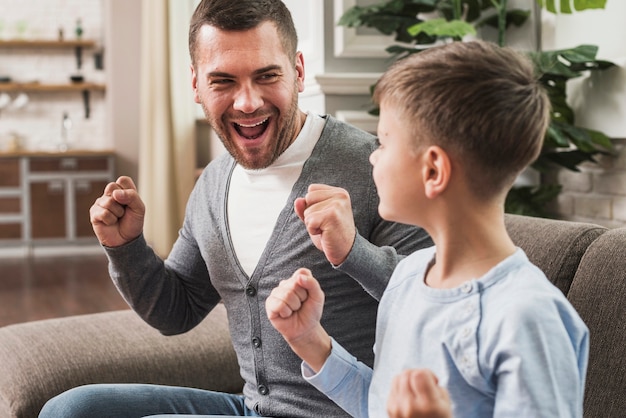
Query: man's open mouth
point(251, 131)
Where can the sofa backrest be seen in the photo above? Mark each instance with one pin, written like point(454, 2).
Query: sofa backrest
point(598, 293)
point(556, 247)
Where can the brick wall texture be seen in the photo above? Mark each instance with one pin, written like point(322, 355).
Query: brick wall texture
point(38, 124)
point(595, 194)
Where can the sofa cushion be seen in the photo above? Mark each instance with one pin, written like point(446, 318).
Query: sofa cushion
point(556, 247)
point(113, 347)
point(598, 293)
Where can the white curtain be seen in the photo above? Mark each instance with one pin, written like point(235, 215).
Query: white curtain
point(167, 126)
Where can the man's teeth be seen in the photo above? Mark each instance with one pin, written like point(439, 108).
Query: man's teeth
point(253, 125)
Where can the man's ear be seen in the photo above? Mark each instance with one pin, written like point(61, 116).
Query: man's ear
point(436, 171)
point(300, 71)
point(194, 84)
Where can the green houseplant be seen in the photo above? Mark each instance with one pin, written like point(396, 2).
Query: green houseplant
point(566, 144)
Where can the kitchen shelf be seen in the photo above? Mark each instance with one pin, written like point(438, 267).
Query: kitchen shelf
point(77, 44)
point(35, 87)
point(46, 43)
point(84, 88)
point(47, 88)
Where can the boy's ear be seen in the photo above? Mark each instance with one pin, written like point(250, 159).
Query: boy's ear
point(436, 171)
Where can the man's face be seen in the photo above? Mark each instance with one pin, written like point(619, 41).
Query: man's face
point(248, 88)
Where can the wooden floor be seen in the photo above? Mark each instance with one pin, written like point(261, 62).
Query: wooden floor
point(33, 288)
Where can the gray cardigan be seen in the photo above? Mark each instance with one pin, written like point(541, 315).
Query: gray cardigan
point(202, 269)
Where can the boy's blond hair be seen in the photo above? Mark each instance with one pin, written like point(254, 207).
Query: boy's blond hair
point(481, 103)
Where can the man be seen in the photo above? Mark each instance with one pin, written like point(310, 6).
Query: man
point(241, 234)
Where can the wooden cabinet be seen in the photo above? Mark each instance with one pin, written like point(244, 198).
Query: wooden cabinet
point(46, 197)
point(11, 214)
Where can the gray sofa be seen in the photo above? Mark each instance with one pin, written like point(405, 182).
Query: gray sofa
point(41, 359)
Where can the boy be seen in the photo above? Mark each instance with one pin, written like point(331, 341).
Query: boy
point(458, 123)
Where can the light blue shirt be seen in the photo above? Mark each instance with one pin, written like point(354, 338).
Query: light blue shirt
point(508, 344)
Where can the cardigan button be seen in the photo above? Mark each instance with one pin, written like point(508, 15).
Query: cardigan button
point(263, 390)
point(256, 342)
point(250, 291)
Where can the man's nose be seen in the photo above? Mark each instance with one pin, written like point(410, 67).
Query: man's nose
point(248, 99)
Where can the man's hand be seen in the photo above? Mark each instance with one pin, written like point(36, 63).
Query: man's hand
point(416, 394)
point(117, 216)
point(327, 213)
point(295, 308)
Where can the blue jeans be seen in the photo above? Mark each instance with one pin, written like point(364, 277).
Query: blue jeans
point(138, 400)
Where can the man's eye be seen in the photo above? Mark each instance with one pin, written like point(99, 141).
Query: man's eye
point(269, 77)
point(220, 82)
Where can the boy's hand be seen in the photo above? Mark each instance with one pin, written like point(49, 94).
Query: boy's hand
point(295, 308)
point(416, 394)
point(117, 216)
point(327, 213)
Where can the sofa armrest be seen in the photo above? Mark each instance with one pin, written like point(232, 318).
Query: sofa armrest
point(41, 359)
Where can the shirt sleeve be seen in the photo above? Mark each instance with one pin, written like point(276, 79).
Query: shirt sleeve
point(371, 263)
point(343, 379)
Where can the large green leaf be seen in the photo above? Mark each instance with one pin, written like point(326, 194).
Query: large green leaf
point(516, 17)
point(555, 137)
point(399, 51)
point(567, 62)
point(581, 53)
point(391, 17)
point(531, 201)
point(399, 10)
point(442, 28)
point(566, 5)
point(569, 159)
point(565, 134)
point(579, 137)
point(601, 139)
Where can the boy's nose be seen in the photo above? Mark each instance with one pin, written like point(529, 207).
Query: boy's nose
point(373, 157)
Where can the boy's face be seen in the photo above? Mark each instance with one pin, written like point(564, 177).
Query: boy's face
point(397, 167)
point(248, 88)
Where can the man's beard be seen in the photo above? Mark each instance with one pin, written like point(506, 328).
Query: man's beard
point(284, 137)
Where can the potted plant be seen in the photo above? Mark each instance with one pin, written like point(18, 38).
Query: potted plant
point(566, 144)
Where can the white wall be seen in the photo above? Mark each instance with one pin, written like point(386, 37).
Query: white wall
point(123, 52)
point(309, 18)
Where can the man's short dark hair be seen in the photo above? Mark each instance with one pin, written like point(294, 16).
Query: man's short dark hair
point(240, 15)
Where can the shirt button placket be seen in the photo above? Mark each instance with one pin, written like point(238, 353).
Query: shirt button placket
point(466, 287)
